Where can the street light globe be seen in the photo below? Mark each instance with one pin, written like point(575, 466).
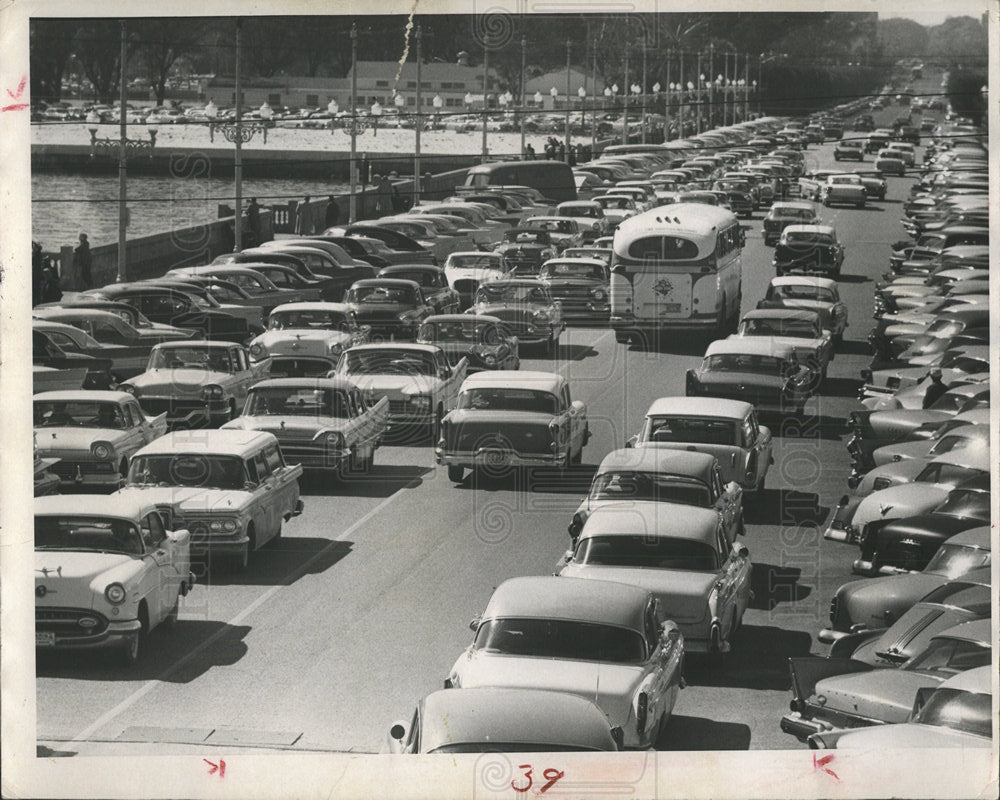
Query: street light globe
point(657, 87)
point(437, 101)
point(607, 91)
point(153, 129)
point(93, 120)
point(211, 111)
point(468, 98)
point(266, 112)
point(538, 98)
point(719, 77)
point(332, 108)
point(581, 93)
point(376, 109)
point(399, 100)
point(614, 88)
point(690, 86)
point(672, 86)
point(554, 92)
point(701, 77)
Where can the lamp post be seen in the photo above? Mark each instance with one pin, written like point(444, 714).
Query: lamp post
point(645, 50)
point(582, 94)
point(418, 120)
point(656, 100)
point(438, 103)
point(593, 116)
point(720, 92)
point(700, 96)
point(636, 90)
point(524, 55)
point(376, 112)
point(353, 126)
point(486, 84)
point(625, 101)
point(569, 103)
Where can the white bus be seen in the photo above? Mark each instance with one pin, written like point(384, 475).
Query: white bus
point(677, 267)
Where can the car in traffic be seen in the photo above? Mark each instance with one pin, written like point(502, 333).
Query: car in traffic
point(304, 330)
point(809, 249)
point(526, 307)
point(320, 423)
point(391, 308)
point(525, 249)
point(508, 419)
point(799, 327)
point(726, 429)
point(589, 213)
point(433, 283)
point(482, 340)
point(466, 270)
point(850, 149)
point(890, 162)
point(230, 488)
point(817, 294)
point(606, 642)
point(784, 213)
point(581, 287)
point(846, 189)
point(108, 570)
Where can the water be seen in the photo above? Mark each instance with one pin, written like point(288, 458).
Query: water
point(64, 205)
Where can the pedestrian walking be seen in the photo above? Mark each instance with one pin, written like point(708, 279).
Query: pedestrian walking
point(332, 214)
point(383, 195)
point(253, 222)
point(935, 389)
point(82, 262)
point(304, 218)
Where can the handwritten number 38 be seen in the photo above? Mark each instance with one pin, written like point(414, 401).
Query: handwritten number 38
point(551, 775)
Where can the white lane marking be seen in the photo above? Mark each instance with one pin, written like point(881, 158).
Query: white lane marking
point(138, 694)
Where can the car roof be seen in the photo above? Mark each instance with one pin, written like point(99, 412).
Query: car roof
point(83, 395)
point(394, 268)
point(652, 519)
point(799, 204)
point(463, 318)
point(74, 312)
point(804, 280)
point(123, 504)
point(699, 406)
point(774, 346)
point(979, 630)
point(973, 537)
point(491, 714)
point(312, 306)
point(421, 348)
point(398, 283)
point(306, 383)
point(550, 382)
point(790, 314)
point(824, 229)
point(655, 459)
point(978, 680)
point(552, 597)
point(590, 262)
point(226, 442)
point(473, 253)
point(203, 344)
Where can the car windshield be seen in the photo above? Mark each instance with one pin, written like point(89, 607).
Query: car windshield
point(951, 474)
point(89, 534)
point(732, 186)
point(402, 295)
point(581, 211)
point(312, 319)
point(539, 237)
point(960, 711)
point(560, 638)
point(655, 552)
point(699, 430)
point(214, 359)
point(952, 560)
point(741, 362)
point(950, 401)
point(656, 486)
point(803, 292)
point(794, 213)
point(188, 469)
point(966, 503)
point(948, 443)
point(459, 331)
point(298, 367)
point(389, 361)
point(498, 292)
point(762, 326)
point(473, 262)
point(807, 238)
point(78, 414)
point(555, 225)
point(567, 269)
point(509, 399)
point(622, 203)
point(297, 401)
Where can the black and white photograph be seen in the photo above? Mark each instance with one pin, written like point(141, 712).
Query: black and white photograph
point(498, 400)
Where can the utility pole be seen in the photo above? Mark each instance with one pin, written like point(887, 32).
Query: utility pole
point(418, 120)
point(122, 156)
point(524, 51)
point(625, 92)
point(486, 86)
point(353, 199)
point(569, 99)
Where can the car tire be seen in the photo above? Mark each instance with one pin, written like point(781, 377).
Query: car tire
point(456, 473)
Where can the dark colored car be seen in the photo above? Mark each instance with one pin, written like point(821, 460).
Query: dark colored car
point(739, 195)
point(909, 543)
point(432, 281)
point(403, 249)
point(809, 249)
point(582, 286)
point(526, 249)
point(391, 307)
point(526, 308)
point(483, 340)
point(46, 353)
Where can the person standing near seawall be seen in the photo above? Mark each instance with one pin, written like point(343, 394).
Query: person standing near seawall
point(82, 262)
point(253, 221)
point(332, 214)
point(303, 218)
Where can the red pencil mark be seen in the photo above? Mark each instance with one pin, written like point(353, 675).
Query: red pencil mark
point(553, 775)
point(16, 96)
point(821, 763)
point(220, 767)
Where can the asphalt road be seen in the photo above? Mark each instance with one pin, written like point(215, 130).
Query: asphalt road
point(339, 629)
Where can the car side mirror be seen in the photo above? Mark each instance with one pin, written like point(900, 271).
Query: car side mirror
point(474, 624)
point(398, 732)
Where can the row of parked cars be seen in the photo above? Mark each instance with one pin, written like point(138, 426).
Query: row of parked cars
point(910, 656)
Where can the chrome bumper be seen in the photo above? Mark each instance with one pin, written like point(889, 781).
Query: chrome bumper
point(496, 458)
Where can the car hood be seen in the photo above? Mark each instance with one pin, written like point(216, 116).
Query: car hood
point(898, 501)
point(866, 602)
point(396, 384)
point(194, 499)
point(927, 527)
point(179, 381)
point(53, 439)
point(882, 694)
point(899, 422)
point(288, 338)
point(480, 274)
point(798, 343)
point(75, 579)
point(684, 593)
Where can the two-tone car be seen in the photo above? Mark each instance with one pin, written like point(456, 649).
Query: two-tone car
point(726, 429)
point(606, 642)
point(681, 553)
point(844, 189)
point(581, 287)
point(298, 332)
point(849, 149)
point(108, 570)
point(526, 307)
point(92, 434)
point(466, 270)
point(417, 379)
point(809, 292)
point(196, 383)
point(800, 327)
point(56, 366)
point(785, 213)
point(484, 341)
point(508, 419)
point(230, 488)
point(320, 423)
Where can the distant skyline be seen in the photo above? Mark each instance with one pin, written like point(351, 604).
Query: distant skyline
point(934, 12)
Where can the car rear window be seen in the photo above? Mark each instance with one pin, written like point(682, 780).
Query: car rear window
point(559, 638)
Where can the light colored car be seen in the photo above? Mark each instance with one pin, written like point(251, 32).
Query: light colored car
point(508, 418)
point(320, 423)
point(108, 570)
point(589, 213)
point(465, 271)
point(845, 188)
point(801, 328)
point(905, 150)
point(682, 554)
point(785, 213)
point(606, 642)
point(420, 384)
point(649, 474)
point(906, 387)
point(956, 714)
point(231, 489)
point(92, 434)
point(305, 330)
point(726, 429)
point(849, 149)
point(817, 294)
point(829, 694)
point(496, 720)
point(920, 446)
point(196, 382)
point(890, 162)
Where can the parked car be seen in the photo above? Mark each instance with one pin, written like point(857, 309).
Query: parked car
point(482, 340)
point(108, 570)
point(816, 294)
point(390, 308)
point(69, 368)
point(606, 642)
point(420, 384)
point(433, 283)
point(465, 271)
point(680, 553)
point(513, 419)
point(498, 720)
point(758, 369)
point(195, 383)
point(830, 694)
point(581, 287)
point(785, 213)
point(726, 429)
point(648, 474)
point(231, 489)
point(589, 213)
point(320, 423)
point(92, 435)
point(870, 604)
point(526, 308)
point(123, 361)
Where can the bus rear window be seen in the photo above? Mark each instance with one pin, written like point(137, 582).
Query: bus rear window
point(670, 248)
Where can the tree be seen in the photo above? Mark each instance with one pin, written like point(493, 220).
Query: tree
point(159, 43)
point(98, 51)
point(902, 38)
point(959, 40)
point(50, 46)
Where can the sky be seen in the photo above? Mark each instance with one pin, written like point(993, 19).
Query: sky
point(934, 12)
